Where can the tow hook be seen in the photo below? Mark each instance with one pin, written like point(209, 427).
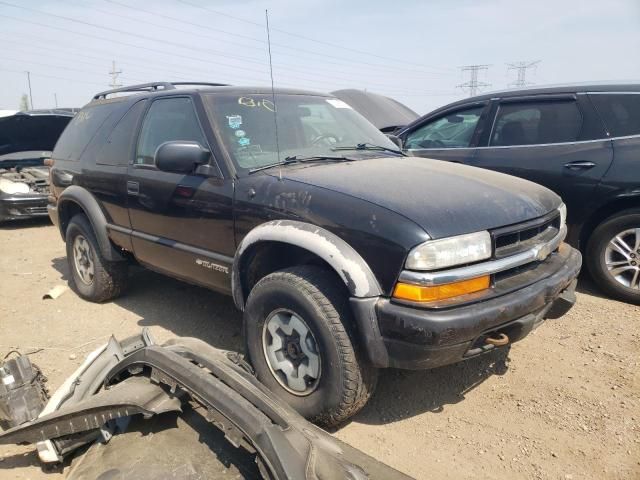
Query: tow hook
point(498, 341)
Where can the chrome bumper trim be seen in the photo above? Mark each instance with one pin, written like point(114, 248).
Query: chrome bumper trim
point(536, 253)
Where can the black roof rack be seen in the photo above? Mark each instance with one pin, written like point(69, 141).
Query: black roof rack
point(152, 87)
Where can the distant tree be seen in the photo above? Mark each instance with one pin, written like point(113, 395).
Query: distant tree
point(24, 102)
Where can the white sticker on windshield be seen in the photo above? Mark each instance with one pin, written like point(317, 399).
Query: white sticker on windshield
point(338, 103)
point(234, 121)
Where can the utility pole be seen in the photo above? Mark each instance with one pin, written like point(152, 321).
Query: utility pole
point(114, 76)
point(30, 94)
point(521, 69)
point(473, 85)
point(55, 98)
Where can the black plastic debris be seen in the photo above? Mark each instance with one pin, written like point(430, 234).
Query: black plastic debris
point(22, 391)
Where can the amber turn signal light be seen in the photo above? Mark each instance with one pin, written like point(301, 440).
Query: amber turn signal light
point(419, 293)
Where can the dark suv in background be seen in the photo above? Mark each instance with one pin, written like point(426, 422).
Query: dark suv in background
point(583, 142)
point(344, 254)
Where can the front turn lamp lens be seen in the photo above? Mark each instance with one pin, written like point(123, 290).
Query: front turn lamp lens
point(422, 294)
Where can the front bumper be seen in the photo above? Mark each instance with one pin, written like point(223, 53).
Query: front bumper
point(19, 206)
point(419, 338)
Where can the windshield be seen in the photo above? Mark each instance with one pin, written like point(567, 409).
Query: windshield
point(308, 126)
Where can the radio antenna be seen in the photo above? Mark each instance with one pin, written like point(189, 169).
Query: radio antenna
point(273, 94)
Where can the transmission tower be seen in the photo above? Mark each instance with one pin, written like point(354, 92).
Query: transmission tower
point(114, 76)
point(521, 69)
point(473, 85)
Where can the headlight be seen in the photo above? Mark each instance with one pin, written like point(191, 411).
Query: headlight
point(447, 252)
point(7, 186)
point(563, 215)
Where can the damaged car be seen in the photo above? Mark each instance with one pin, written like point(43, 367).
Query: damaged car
point(26, 140)
point(345, 255)
point(136, 379)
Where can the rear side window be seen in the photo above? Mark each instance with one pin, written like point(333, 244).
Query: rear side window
point(454, 130)
point(620, 112)
point(531, 123)
point(118, 148)
point(81, 130)
point(168, 119)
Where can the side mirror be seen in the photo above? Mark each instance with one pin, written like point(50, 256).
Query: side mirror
point(396, 140)
point(181, 156)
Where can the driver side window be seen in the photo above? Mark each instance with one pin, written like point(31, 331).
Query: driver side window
point(454, 130)
point(168, 119)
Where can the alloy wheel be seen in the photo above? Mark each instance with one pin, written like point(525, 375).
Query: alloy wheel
point(622, 258)
point(291, 352)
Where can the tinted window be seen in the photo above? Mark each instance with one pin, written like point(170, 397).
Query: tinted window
point(118, 148)
point(168, 119)
point(81, 130)
point(533, 123)
point(451, 131)
point(620, 112)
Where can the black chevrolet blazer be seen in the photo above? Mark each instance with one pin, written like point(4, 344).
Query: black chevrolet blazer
point(345, 255)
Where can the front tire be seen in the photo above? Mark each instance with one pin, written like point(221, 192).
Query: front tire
point(299, 337)
point(613, 256)
point(92, 276)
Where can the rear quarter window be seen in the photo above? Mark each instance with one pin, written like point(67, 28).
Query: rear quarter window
point(535, 123)
point(81, 130)
point(619, 111)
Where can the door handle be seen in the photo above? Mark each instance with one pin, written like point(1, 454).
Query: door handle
point(133, 188)
point(579, 165)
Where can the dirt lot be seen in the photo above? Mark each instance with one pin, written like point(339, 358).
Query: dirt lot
point(562, 404)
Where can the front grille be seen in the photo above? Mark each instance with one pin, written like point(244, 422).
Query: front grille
point(518, 238)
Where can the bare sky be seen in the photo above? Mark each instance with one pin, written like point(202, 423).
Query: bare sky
point(410, 50)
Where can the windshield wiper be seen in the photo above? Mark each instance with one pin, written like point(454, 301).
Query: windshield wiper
point(370, 146)
point(296, 159)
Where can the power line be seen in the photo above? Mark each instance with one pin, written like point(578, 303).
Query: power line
point(521, 69)
point(308, 79)
point(343, 61)
point(473, 85)
point(322, 42)
point(179, 45)
point(37, 74)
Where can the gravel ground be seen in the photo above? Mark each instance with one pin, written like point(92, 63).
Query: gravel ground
point(562, 404)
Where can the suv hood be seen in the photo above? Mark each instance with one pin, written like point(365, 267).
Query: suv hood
point(444, 198)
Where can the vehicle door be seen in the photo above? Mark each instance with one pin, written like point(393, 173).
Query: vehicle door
point(554, 140)
point(450, 135)
point(182, 224)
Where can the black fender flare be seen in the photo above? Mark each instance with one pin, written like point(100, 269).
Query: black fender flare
point(341, 257)
point(81, 197)
point(344, 260)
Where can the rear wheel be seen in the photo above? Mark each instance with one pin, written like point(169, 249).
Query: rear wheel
point(613, 256)
point(299, 338)
point(92, 276)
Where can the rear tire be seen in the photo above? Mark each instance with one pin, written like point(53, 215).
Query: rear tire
point(613, 256)
point(299, 320)
point(92, 277)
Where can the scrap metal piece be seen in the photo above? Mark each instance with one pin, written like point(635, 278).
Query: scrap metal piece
point(22, 392)
point(136, 395)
